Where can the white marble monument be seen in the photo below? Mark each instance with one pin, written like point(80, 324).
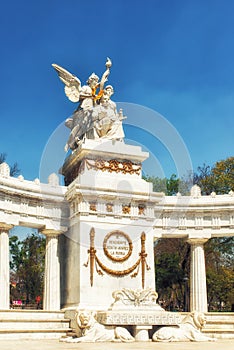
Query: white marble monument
point(101, 226)
point(109, 244)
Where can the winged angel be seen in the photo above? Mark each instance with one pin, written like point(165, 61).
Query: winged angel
point(96, 116)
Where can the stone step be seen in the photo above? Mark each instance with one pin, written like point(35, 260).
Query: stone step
point(219, 325)
point(34, 324)
point(226, 330)
point(32, 334)
point(30, 314)
point(213, 316)
point(220, 322)
point(219, 333)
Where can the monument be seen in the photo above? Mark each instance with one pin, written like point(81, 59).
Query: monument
point(110, 208)
point(100, 230)
point(107, 252)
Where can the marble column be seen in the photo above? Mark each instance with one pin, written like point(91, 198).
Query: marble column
point(51, 300)
point(198, 292)
point(4, 267)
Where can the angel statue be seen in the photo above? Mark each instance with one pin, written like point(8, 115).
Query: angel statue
point(96, 115)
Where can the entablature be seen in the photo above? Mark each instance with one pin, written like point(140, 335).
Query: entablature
point(33, 204)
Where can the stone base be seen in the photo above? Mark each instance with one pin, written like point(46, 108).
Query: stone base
point(138, 318)
point(141, 333)
point(139, 321)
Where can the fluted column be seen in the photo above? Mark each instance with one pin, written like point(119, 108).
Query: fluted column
point(4, 267)
point(198, 292)
point(51, 300)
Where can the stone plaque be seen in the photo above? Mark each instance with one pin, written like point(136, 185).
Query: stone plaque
point(117, 246)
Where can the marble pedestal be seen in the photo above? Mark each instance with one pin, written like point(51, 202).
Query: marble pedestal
point(109, 245)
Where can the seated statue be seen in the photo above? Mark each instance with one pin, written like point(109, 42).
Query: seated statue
point(92, 331)
point(188, 330)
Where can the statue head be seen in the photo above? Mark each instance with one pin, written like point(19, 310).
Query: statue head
point(85, 318)
point(195, 318)
point(93, 80)
point(109, 90)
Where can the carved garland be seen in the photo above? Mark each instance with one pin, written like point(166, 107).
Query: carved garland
point(114, 165)
point(93, 260)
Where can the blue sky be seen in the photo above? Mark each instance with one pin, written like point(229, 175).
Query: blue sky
point(174, 57)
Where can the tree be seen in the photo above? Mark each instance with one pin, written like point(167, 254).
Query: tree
point(172, 265)
point(172, 260)
point(220, 273)
point(218, 179)
point(27, 266)
point(173, 185)
point(172, 255)
point(170, 186)
point(159, 185)
point(14, 169)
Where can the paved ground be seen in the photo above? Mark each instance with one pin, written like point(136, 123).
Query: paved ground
point(55, 345)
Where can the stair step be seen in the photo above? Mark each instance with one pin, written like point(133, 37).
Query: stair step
point(27, 326)
point(220, 322)
point(219, 334)
point(215, 330)
point(33, 324)
point(32, 334)
point(30, 314)
point(36, 330)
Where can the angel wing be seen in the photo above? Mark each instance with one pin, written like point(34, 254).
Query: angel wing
point(72, 83)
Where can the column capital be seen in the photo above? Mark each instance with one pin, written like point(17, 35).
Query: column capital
point(51, 232)
point(197, 241)
point(5, 227)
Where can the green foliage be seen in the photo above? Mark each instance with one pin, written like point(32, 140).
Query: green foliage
point(220, 273)
point(219, 178)
point(159, 185)
point(170, 186)
point(220, 251)
point(172, 256)
point(172, 264)
point(172, 271)
point(27, 266)
point(220, 282)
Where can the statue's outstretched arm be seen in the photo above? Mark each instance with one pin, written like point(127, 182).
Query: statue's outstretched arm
point(106, 74)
